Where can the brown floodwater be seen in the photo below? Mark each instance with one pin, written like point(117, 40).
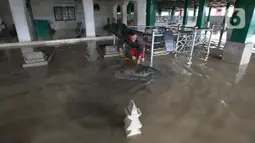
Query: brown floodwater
point(78, 98)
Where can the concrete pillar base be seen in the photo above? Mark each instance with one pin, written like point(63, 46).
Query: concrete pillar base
point(237, 53)
point(33, 59)
point(110, 51)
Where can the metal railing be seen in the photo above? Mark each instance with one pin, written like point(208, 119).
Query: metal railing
point(160, 29)
point(187, 40)
point(168, 19)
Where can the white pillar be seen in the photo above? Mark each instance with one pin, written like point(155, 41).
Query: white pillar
point(124, 12)
point(19, 14)
point(89, 18)
point(91, 50)
point(140, 9)
point(115, 12)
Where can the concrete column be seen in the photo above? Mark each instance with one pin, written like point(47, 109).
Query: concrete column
point(223, 26)
point(239, 49)
point(202, 13)
point(140, 9)
point(21, 19)
point(124, 12)
point(114, 12)
point(173, 11)
point(89, 18)
point(151, 12)
point(195, 10)
point(209, 17)
point(159, 11)
point(19, 14)
point(185, 16)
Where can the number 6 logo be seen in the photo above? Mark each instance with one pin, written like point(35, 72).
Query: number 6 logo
point(237, 21)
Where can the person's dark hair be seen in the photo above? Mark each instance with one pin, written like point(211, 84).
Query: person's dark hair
point(131, 33)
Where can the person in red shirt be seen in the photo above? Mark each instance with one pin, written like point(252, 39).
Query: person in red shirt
point(137, 51)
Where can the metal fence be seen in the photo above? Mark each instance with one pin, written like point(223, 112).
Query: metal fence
point(187, 40)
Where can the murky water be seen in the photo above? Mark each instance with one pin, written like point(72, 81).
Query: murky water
point(79, 99)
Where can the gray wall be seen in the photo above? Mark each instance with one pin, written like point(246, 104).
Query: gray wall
point(5, 13)
point(43, 9)
point(214, 20)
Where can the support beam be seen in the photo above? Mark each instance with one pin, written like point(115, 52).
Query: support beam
point(159, 11)
point(243, 35)
point(239, 49)
point(209, 17)
point(19, 14)
point(185, 16)
point(124, 12)
point(173, 11)
point(151, 12)
point(23, 24)
point(202, 13)
point(88, 7)
point(195, 10)
point(223, 26)
point(140, 12)
point(114, 13)
point(31, 19)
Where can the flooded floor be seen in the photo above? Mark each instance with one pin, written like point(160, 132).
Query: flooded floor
point(78, 99)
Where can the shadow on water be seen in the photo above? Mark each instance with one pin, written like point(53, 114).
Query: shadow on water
point(95, 114)
point(99, 99)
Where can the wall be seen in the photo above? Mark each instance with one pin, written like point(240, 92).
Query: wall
point(43, 9)
point(214, 20)
point(101, 16)
point(106, 10)
point(5, 13)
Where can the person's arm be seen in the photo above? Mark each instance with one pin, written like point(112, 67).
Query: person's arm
point(121, 48)
point(141, 55)
point(141, 51)
point(121, 52)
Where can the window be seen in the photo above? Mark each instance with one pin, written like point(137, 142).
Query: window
point(64, 13)
point(96, 7)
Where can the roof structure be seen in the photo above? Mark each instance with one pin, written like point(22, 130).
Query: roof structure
point(167, 4)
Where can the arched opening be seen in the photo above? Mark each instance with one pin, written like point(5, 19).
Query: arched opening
point(119, 14)
point(130, 8)
point(131, 13)
point(131, 17)
point(96, 7)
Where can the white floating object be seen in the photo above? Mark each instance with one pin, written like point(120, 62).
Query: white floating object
point(132, 123)
point(223, 103)
point(132, 109)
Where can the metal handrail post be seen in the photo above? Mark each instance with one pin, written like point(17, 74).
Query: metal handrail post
point(152, 48)
point(176, 46)
point(209, 44)
point(192, 48)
